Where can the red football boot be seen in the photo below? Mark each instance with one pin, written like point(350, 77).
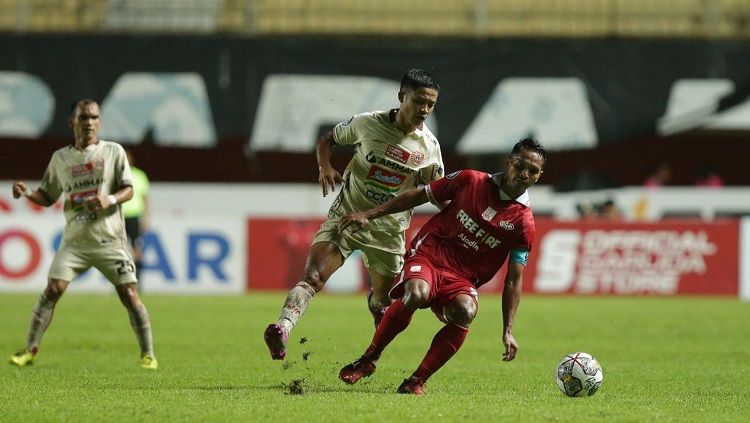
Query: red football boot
point(361, 367)
point(413, 385)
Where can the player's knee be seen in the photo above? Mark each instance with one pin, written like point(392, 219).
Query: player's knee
point(54, 290)
point(128, 295)
point(313, 280)
point(416, 294)
point(461, 311)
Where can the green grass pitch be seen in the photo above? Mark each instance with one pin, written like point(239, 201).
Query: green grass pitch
point(664, 359)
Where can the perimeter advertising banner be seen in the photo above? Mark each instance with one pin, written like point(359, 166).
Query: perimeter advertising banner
point(182, 254)
point(587, 257)
point(664, 258)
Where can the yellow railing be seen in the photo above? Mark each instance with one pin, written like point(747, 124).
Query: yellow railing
point(468, 18)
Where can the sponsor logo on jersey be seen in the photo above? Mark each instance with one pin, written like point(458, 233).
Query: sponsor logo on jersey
point(382, 161)
point(86, 168)
point(396, 153)
point(78, 198)
point(453, 175)
point(84, 184)
point(416, 268)
point(385, 177)
point(489, 214)
point(506, 225)
point(348, 122)
point(378, 197)
point(418, 157)
point(477, 235)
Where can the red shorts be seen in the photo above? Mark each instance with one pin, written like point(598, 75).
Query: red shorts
point(445, 286)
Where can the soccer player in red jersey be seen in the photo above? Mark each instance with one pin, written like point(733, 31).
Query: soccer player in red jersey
point(487, 221)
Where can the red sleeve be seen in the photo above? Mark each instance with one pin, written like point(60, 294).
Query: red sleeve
point(526, 238)
point(445, 189)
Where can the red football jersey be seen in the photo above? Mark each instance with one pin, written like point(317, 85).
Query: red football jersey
point(473, 235)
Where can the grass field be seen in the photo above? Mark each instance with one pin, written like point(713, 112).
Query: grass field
point(664, 359)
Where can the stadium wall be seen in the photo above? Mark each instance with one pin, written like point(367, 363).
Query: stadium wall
point(236, 106)
point(230, 238)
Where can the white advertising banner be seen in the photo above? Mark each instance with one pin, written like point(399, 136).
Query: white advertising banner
point(182, 254)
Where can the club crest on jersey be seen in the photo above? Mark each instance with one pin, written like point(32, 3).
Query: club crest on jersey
point(506, 225)
point(489, 214)
point(397, 154)
point(417, 157)
point(87, 168)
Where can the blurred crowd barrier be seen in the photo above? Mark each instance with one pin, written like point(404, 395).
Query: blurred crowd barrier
point(576, 18)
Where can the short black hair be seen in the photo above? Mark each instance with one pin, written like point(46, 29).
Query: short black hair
point(418, 78)
point(81, 102)
point(531, 145)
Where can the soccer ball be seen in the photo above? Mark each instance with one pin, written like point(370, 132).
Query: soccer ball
point(579, 375)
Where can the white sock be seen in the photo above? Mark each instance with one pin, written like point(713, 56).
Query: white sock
point(142, 328)
point(295, 305)
point(40, 319)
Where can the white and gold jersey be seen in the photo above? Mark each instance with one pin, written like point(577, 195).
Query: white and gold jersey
point(386, 163)
point(98, 169)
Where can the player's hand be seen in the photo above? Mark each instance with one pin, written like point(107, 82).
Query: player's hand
point(19, 187)
point(328, 178)
point(357, 221)
point(97, 202)
point(511, 347)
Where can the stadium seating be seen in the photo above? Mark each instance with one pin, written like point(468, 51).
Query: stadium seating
point(576, 18)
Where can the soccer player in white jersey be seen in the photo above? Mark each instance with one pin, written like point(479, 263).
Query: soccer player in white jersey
point(394, 152)
point(94, 178)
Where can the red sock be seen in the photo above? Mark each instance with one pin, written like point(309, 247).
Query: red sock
point(445, 344)
point(396, 319)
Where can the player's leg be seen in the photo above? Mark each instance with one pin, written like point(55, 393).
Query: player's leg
point(459, 313)
point(139, 321)
point(67, 264)
point(383, 256)
point(117, 265)
point(416, 293)
point(41, 317)
point(378, 299)
point(323, 259)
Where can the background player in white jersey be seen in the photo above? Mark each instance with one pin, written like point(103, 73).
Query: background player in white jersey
point(394, 152)
point(94, 177)
point(487, 222)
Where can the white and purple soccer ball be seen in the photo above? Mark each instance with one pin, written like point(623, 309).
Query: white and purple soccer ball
point(579, 375)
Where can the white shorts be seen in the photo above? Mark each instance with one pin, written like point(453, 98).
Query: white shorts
point(115, 263)
point(382, 252)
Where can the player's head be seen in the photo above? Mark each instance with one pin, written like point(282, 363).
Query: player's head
point(524, 166)
point(418, 95)
point(417, 78)
point(85, 119)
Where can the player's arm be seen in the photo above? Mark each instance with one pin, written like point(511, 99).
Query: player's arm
point(328, 176)
point(511, 298)
point(37, 196)
point(402, 202)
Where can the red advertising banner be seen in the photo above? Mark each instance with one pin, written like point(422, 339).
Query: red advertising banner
point(662, 258)
point(584, 257)
point(277, 248)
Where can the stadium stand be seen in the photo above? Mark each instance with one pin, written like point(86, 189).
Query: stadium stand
point(483, 18)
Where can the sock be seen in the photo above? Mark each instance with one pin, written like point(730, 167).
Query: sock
point(396, 319)
point(445, 344)
point(40, 319)
point(295, 305)
point(142, 328)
